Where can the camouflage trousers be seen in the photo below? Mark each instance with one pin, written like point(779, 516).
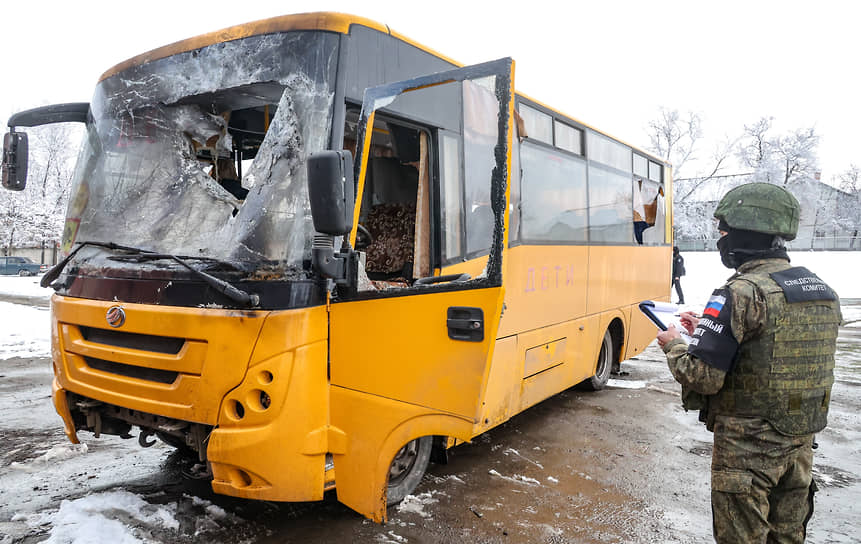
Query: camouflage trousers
point(762, 482)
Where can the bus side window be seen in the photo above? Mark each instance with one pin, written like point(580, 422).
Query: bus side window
point(480, 109)
point(655, 213)
point(641, 223)
point(554, 195)
point(516, 175)
point(610, 217)
point(452, 199)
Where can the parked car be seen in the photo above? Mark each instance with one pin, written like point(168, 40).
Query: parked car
point(22, 266)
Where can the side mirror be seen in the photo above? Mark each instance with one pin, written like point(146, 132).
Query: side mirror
point(14, 165)
point(330, 188)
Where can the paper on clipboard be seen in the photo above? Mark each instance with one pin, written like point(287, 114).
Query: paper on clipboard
point(664, 314)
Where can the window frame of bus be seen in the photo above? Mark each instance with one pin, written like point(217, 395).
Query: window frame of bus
point(498, 68)
point(646, 176)
point(555, 120)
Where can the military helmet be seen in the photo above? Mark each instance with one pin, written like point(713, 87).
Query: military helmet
point(760, 207)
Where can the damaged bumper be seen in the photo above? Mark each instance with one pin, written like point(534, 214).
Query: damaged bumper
point(249, 394)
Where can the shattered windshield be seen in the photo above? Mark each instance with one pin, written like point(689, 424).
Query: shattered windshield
point(203, 153)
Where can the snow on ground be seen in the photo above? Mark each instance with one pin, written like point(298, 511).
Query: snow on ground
point(415, 504)
point(83, 520)
point(119, 517)
point(27, 331)
point(28, 286)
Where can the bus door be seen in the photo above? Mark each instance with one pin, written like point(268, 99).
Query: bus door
point(409, 356)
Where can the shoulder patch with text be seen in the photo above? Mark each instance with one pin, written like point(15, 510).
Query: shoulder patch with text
point(713, 342)
point(801, 285)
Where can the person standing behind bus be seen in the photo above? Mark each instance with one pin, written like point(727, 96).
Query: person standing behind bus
point(678, 272)
point(759, 368)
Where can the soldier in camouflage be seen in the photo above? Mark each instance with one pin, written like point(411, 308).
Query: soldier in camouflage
point(759, 367)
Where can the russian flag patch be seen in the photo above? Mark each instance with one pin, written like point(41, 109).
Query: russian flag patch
point(715, 305)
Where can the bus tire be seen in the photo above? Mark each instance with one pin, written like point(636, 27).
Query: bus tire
point(407, 469)
point(604, 365)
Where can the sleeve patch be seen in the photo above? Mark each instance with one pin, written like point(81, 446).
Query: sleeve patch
point(801, 285)
point(713, 341)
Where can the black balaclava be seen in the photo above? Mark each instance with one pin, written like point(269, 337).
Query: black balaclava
point(739, 246)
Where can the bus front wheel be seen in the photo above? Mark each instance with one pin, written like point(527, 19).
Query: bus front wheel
point(605, 364)
point(407, 469)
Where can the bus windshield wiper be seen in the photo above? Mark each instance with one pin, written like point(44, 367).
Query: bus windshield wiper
point(54, 273)
point(235, 294)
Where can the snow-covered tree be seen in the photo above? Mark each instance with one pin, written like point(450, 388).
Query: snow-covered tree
point(692, 220)
point(787, 159)
point(755, 151)
point(13, 211)
point(819, 211)
point(849, 209)
point(677, 138)
point(34, 217)
point(778, 159)
point(796, 153)
point(674, 136)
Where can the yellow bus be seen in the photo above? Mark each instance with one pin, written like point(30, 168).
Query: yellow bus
point(316, 255)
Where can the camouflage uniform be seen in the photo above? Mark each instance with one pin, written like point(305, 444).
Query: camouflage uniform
point(763, 423)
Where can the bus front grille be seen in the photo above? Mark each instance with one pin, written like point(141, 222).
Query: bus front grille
point(143, 342)
point(131, 371)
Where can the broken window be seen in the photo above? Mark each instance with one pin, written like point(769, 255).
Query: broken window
point(554, 201)
point(203, 153)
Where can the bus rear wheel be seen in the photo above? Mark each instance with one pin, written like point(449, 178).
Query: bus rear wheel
point(604, 366)
point(407, 469)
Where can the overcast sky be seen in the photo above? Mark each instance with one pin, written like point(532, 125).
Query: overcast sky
point(608, 63)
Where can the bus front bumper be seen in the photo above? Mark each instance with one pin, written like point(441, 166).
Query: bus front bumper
point(61, 405)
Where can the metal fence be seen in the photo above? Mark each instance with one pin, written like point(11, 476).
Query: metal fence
point(819, 243)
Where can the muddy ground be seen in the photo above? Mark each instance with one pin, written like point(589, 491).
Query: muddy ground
point(626, 464)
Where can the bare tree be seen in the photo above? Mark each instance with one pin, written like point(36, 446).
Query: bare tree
point(850, 180)
point(778, 159)
point(674, 136)
point(787, 159)
point(797, 154)
point(849, 210)
point(756, 150)
point(677, 138)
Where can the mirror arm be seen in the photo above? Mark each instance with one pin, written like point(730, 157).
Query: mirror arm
point(342, 267)
point(74, 112)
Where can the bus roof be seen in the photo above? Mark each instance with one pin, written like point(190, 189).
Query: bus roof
point(324, 21)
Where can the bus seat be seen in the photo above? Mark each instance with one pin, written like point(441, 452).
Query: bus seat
point(392, 226)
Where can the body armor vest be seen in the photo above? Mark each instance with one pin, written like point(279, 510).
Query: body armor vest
point(784, 375)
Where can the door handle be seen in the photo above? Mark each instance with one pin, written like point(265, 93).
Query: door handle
point(465, 323)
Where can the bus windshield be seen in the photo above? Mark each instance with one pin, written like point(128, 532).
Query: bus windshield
point(202, 153)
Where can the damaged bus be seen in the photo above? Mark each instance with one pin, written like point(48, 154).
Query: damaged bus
point(315, 255)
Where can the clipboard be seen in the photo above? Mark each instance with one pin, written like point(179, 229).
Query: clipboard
point(663, 314)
